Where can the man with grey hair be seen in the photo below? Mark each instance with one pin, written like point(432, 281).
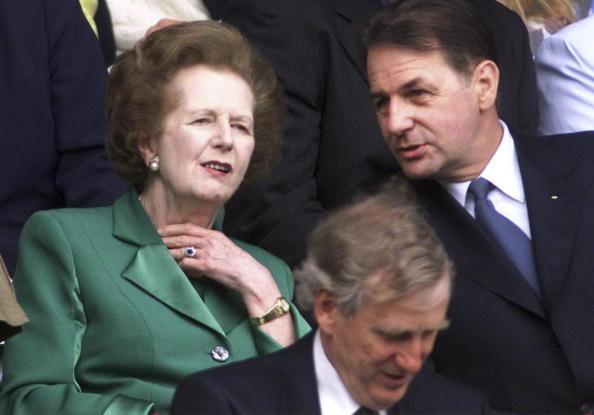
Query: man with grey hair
point(378, 282)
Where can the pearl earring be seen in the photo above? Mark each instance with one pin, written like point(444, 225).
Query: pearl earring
point(154, 164)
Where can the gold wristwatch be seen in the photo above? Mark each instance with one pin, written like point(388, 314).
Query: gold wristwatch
point(279, 308)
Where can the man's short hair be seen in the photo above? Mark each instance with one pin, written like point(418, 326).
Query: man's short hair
point(452, 27)
point(383, 239)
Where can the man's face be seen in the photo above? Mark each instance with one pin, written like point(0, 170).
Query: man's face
point(379, 349)
point(429, 114)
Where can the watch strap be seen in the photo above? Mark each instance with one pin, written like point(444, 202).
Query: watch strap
point(279, 308)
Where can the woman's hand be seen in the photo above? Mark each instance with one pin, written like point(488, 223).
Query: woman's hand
point(161, 24)
point(220, 259)
point(217, 257)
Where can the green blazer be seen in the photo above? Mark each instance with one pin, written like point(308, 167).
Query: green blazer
point(115, 324)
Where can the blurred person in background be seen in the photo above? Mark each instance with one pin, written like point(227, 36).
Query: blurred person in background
point(543, 17)
point(565, 68)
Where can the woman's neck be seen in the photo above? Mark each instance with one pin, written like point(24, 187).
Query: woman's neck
point(165, 208)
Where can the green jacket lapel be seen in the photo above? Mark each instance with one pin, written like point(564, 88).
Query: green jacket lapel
point(152, 268)
point(226, 306)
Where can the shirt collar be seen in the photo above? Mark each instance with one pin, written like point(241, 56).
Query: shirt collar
point(503, 171)
point(334, 397)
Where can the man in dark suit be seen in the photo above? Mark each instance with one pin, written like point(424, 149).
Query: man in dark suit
point(378, 282)
point(332, 146)
point(52, 127)
point(515, 215)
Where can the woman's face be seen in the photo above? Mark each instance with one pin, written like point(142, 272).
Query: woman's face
point(208, 139)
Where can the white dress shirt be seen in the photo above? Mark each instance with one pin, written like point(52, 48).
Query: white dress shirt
point(335, 399)
point(503, 171)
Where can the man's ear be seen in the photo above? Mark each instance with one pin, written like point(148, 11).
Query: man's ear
point(325, 311)
point(486, 80)
point(147, 148)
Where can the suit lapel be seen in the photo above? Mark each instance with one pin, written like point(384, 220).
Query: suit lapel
point(300, 389)
point(152, 269)
point(418, 398)
point(472, 249)
point(350, 18)
point(554, 205)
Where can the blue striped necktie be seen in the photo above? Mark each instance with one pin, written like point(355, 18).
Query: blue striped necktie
point(514, 242)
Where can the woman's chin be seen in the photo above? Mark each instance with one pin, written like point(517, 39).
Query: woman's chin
point(213, 195)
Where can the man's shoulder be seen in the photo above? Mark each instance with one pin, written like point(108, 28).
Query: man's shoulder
point(580, 32)
point(256, 385)
point(431, 392)
point(250, 385)
point(560, 148)
point(571, 43)
point(298, 355)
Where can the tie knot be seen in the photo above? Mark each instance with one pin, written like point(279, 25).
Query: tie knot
point(480, 188)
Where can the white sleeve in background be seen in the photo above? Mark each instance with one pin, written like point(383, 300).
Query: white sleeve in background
point(565, 79)
point(131, 18)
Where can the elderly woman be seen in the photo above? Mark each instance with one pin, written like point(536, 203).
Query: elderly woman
point(124, 301)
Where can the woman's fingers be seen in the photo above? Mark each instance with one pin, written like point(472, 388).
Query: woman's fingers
point(184, 229)
point(207, 252)
point(184, 241)
point(185, 252)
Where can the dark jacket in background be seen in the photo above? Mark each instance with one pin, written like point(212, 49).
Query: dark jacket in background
point(52, 126)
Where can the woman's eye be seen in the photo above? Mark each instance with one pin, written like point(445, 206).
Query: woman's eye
point(203, 120)
point(241, 127)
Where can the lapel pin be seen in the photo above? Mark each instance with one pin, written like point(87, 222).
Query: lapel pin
point(554, 197)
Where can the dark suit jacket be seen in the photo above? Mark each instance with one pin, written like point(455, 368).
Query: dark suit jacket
point(285, 383)
point(52, 127)
point(527, 355)
point(332, 146)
